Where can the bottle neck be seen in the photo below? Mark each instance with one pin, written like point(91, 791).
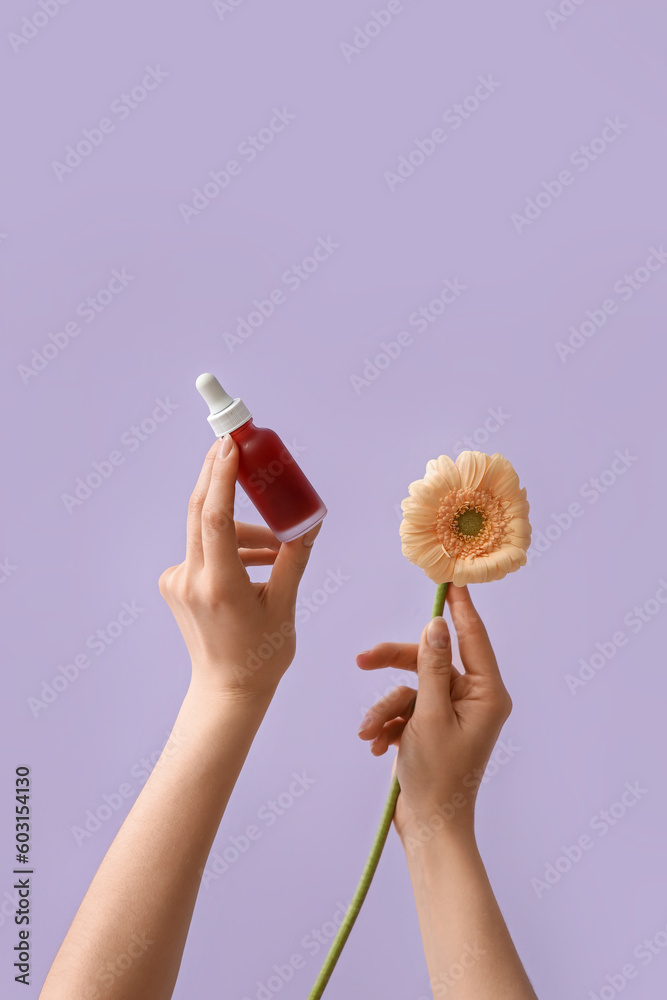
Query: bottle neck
point(247, 428)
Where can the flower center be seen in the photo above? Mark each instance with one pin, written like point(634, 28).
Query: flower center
point(470, 521)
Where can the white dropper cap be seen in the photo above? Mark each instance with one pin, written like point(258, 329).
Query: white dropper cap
point(226, 413)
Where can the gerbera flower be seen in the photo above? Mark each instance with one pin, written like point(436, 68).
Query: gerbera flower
point(466, 521)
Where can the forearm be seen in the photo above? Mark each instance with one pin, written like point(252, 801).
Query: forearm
point(469, 952)
point(141, 899)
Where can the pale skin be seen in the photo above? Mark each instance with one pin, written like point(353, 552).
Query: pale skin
point(127, 937)
point(444, 742)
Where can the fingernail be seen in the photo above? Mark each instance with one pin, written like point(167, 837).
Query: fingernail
point(311, 535)
point(365, 723)
point(437, 633)
point(225, 446)
point(364, 652)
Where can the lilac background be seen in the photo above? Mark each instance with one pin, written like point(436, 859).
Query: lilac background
point(495, 347)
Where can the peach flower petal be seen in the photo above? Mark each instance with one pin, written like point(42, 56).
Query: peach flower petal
point(518, 508)
point(443, 568)
point(417, 514)
point(425, 492)
point(516, 554)
point(500, 564)
point(447, 469)
point(466, 521)
point(471, 466)
point(500, 478)
point(520, 528)
point(469, 571)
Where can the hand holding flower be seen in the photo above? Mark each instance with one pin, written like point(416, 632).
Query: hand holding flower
point(444, 746)
point(464, 522)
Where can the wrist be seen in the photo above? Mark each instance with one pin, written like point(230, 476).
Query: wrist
point(219, 689)
point(214, 723)
point(217, 716)
point(436, 863)
point(426, 839)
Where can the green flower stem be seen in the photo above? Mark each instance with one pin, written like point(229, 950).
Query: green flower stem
point(373, 858)
point(439, 603)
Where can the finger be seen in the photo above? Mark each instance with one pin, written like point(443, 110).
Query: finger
point(164, 581)
point(289, 567)
point(256, 536)
point(434, 671)
point(397, 703)
point(257, 557)
point(402, 655)
point(218, 529)
point(475, 647)
point(194, 552)
point(390, 733)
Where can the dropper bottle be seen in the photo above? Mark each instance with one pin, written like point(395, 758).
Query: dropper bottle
point(268, 472)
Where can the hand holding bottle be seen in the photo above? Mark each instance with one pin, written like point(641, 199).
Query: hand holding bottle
point(240, 634)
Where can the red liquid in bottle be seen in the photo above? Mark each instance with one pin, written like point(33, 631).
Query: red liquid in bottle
point(275, 484)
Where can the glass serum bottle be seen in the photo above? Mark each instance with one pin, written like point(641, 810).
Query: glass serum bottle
point(268, 471)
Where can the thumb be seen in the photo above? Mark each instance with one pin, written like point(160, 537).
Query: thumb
point(289, 566)
point(434, 668)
